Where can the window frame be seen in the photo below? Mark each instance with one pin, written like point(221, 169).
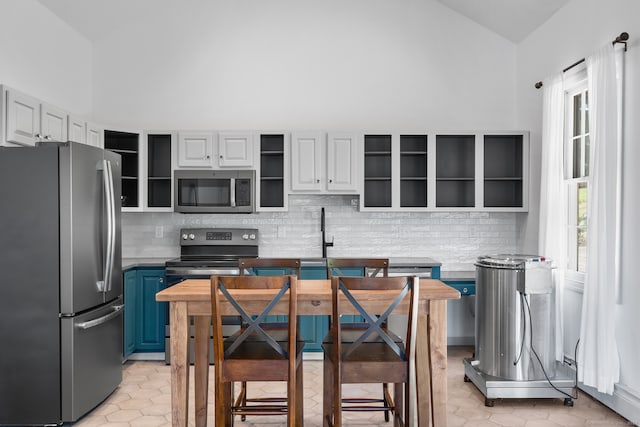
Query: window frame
point(574, 84)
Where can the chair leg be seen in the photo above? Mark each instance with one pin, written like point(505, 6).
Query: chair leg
point(299, 396)
point(399, 405)
point(337, 396)
point(243, 401)
point(407, 405)
point(327, 393)
point(223, 404)
point(385, 390)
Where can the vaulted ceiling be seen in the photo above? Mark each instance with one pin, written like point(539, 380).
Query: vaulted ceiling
point(512, 19)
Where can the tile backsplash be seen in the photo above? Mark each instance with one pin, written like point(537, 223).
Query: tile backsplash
point(455, 239)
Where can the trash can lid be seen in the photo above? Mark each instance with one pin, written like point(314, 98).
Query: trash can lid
point(509, 261)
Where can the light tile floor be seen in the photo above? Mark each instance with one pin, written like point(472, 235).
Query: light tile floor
point(143, 399)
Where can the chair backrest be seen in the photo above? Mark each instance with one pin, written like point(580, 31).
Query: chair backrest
point(371, 267)
point(285, 266)
point(349, 293)
point(254, 311)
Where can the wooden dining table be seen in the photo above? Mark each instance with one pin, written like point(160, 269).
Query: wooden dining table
point(192, 299)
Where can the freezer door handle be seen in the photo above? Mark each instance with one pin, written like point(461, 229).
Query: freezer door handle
point(117, 310)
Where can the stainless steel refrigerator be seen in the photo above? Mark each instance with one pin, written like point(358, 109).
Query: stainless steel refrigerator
point(60, 282)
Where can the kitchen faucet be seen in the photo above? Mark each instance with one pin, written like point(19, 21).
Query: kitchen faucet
point(325, 244)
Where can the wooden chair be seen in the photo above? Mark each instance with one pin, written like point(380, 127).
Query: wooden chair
point(253, 354)
point(371, 266)
point(266, 267)
point(368, 267)
point(375, 356)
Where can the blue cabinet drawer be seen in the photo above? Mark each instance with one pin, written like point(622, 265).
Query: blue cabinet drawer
point(465, 288)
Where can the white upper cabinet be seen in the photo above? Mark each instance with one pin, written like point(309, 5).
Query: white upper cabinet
point(307, 161)
point(77, 129)
point(235, 149)
point(324, 164)
point(95, 135)
point(28, 120)
point(194, 149)
point(53, 123)
point(22, 118)
point(342, 162)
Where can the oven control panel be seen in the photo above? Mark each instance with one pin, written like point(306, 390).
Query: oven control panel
point(218, 237)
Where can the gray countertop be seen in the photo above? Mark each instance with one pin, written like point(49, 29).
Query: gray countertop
point(128, 263)
point(407, 262)
point(461, 276)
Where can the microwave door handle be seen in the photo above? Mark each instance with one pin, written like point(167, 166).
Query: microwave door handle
point(233, 192)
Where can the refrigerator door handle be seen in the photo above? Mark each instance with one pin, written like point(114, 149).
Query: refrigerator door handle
point(117, 310)
point(111, 245)
point(105, 284)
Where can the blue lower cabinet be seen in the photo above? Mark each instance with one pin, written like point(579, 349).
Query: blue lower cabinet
point(465, 287)
point(130, 302)
point(145, 318)
point(313, 328)
point(152, 314)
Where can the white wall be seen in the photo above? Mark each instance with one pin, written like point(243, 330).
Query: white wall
point(455, 239)
point(42, 56)
point(286, 64)
point(576, 31)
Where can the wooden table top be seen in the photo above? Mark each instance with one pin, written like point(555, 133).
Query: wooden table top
point(198, 290)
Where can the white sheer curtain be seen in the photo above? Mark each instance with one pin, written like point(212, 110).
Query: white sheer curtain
point(552, 242)
point(598, 362)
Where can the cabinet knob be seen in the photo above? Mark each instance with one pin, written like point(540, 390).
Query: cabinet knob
point(330, 181)
point(317, 181)
point(208, 157)
point(221, 156)
point(161, 280)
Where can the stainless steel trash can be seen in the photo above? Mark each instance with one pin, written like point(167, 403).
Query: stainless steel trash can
point(515, 317)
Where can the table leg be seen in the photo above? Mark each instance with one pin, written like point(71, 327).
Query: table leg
point(423, 369)
point(438, 354)
point(179, 363)
point(201, 367)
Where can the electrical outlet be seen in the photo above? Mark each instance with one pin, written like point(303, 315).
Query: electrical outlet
point(159, 231)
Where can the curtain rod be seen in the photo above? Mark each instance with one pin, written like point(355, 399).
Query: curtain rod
point(622, 38)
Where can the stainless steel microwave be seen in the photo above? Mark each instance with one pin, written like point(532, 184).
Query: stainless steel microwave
point(214, 191)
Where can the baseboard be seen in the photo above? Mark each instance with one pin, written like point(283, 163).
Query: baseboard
point(461, 340)
point(146, 356)
point(625, 401)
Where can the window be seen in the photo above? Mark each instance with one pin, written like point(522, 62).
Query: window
point(576, 173)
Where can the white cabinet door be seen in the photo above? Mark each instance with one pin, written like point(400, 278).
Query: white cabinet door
point(53, 123)
point(95, 135)
point(23, 118)
point(76, 129)
point(194, 149)
point(306, 161)
point(235, 149)
point(342, 164)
